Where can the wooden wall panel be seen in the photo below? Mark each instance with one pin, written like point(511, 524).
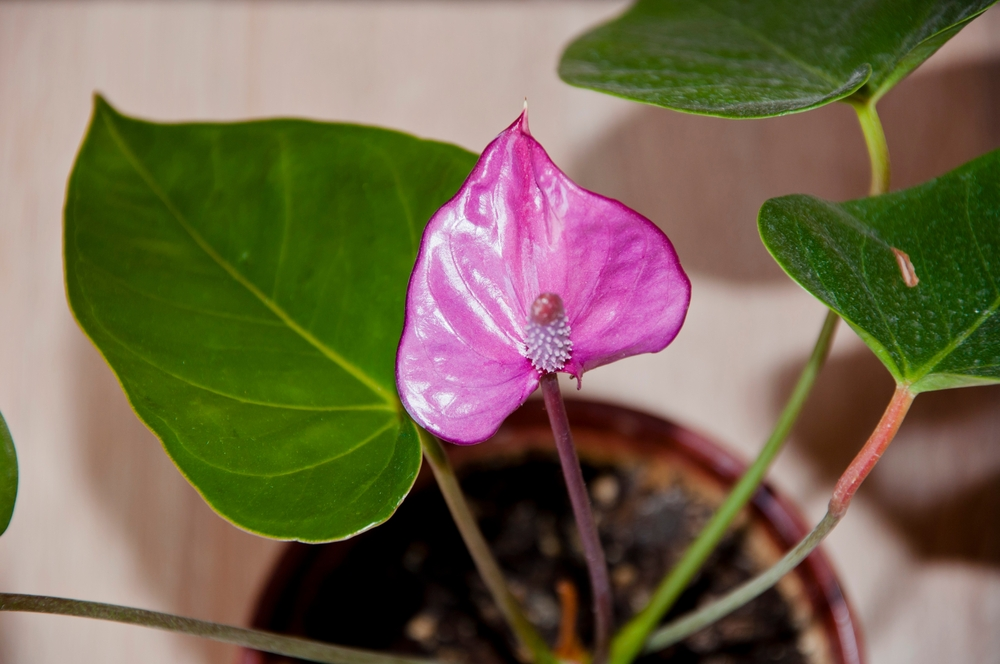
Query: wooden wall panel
point(102, 513)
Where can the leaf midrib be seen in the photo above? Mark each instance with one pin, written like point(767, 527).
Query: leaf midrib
point(341, 453)
point(220, 393)
point(273, 306)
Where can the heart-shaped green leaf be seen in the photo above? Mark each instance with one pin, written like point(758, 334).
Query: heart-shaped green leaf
point(8, 476)
point(915, 273)
point(246, 283)
point(739, 59)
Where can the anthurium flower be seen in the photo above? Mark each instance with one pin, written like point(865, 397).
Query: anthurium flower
point(524, 272)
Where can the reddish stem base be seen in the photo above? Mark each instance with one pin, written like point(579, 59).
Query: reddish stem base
point(869, 455)
point(584, 515)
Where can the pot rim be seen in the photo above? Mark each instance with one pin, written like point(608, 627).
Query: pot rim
point(642, 434)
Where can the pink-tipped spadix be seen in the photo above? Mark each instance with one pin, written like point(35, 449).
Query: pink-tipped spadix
point(524, 272)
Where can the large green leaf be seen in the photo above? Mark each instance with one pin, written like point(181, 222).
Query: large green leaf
point(8, 476)
point(246, 283)
point(739, 59)
point(943, 331)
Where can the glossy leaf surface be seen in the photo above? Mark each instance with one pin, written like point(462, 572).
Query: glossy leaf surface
point(859, 257)
point(246, 283)
point(8, 476)
point(739, 59)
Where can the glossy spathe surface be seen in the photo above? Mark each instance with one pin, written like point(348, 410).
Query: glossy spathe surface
point(519, 228)
point(744, 59)
point(915, 273)
point(8, 476)
point(246, 283)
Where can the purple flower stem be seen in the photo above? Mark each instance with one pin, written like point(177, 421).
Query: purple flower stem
point(577, 489)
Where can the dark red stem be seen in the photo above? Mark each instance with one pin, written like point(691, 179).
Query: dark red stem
point(577, 489)
point(869, 455)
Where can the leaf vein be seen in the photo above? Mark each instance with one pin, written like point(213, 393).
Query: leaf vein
point(328, 352)
point(779, 50)
point(287, 195)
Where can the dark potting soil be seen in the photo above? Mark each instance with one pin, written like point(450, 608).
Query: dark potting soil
point(410, 587)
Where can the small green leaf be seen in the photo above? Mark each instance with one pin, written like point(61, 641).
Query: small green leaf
point(915, 273)
point(8, 476)
point(738, 59)
point(246, 283)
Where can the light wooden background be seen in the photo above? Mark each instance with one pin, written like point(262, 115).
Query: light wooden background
point(103, 515)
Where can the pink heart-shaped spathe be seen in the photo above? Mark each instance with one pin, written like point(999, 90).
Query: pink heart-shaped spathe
point(516, 229)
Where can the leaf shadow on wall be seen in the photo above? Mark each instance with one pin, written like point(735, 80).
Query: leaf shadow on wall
point(195, 562)
point(5, 657)
point(702, 179)
point(938, 484)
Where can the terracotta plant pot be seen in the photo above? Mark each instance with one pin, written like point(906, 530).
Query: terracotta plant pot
point(408, 586)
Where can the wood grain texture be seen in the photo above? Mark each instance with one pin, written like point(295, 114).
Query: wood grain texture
point(103, 515)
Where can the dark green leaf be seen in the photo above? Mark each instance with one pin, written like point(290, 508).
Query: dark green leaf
point(739, 59)
point(8, 476)
point(246, 283)
point(941, 333)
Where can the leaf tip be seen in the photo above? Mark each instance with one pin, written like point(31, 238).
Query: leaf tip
point(103, 106)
